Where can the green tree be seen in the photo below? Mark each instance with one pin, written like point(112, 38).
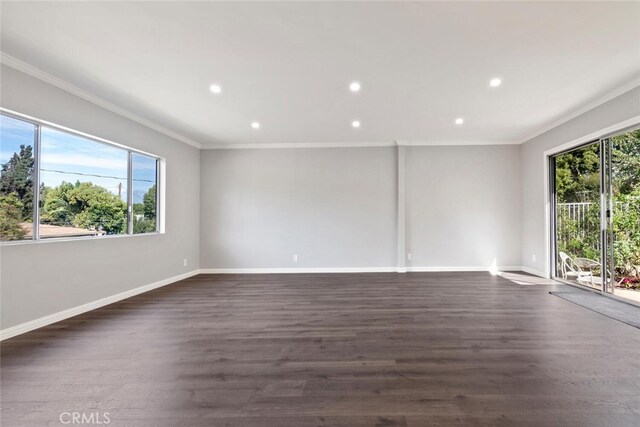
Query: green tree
point(626, 162)
point(577, 172)
point(85, 205)
point(147, 224)
point(16, 178)
point(10, 217)
point(578, 175)
point(56, 208)
point(105, 216)
point(138, 209)
point(144, 226)
point(149, 201)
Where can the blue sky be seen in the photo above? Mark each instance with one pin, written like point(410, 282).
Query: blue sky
point(67, 157)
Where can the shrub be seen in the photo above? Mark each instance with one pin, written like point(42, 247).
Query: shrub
point(10, 217)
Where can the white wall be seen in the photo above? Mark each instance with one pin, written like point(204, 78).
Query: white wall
point(588, 126)
point(336, 207)
point(333, 207)
point(463, 206)
point(42, 278)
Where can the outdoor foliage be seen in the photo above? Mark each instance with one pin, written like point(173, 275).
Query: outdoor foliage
point(146, 224)
point(578, 176)
point(577, 181)
point(84, 205)
point(626, 231)
point(149, 203)
point(626, 162)
point(16, 177)
point(582, 238)
point(10, 217)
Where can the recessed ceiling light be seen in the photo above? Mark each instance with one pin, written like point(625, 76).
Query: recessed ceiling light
point(355, 87)
point(459, 121)
point(495, 82)
point(355, 124)
point(214, 88)
point(255, 125)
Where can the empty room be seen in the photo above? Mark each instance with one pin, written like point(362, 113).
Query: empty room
point(315, 213)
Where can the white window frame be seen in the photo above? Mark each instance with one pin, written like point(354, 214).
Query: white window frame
point(160, 182)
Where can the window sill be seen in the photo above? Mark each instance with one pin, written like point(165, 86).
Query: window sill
point(75, 239)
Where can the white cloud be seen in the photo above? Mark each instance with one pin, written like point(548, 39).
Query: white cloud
point(83, 161)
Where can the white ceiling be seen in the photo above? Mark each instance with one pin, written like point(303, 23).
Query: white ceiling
point(288, 65)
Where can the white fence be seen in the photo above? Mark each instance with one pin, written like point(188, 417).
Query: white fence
point(580, 213)
point(585, 216)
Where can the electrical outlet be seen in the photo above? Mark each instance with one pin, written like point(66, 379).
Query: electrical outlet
point(409, 256)
point(533, 257)
point(185, 262)
point(295, 258)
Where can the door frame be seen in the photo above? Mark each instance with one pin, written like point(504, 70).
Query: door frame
point(544, 163)
point(553, 259)
point(606, 204)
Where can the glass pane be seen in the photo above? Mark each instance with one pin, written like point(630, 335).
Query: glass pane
point(83, 186)
point(577, 179)
point(144, 169)
point(625, 180)
point(16, 179)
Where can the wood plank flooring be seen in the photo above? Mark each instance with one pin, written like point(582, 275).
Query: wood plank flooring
point(413, 349)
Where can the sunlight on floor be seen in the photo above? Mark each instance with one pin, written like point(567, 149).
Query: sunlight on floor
point(527, 279)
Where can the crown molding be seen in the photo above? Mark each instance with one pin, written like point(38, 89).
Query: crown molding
point(590, 106)
point(39, 74)
point(258, 145)
point(268, 145)
point(455, 143)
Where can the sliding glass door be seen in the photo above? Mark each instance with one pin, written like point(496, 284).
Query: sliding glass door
point(622, 222)
point(595, 197)
point(576, 195)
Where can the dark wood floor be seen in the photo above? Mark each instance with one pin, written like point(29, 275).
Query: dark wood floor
point(410, 349)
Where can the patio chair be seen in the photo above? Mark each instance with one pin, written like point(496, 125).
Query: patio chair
point(572, 269)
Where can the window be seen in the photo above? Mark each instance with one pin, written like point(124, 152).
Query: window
point(85, 187)
point(144, 193)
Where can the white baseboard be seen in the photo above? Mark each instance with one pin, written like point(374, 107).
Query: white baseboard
point(352, 270)
point(65, 314)
point(298, 270)
point(463, 268)
point(534, 272)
